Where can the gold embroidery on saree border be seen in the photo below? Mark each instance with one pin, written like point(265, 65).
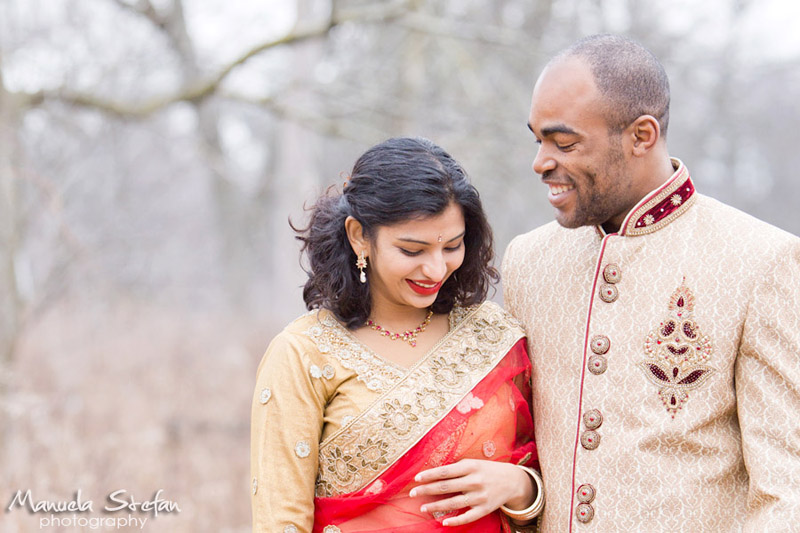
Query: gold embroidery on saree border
point(677, 352)
point(353, 458)
point(332, 339)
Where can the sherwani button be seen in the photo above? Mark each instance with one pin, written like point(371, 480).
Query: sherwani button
point(592, 419)
point(612, 274)
point(608, 293)
point(584, 512)
point(590, 440)
point(600, 344)
point(597, 364)
point(586, 493)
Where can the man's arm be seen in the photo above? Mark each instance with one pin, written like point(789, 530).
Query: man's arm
point(768, 395)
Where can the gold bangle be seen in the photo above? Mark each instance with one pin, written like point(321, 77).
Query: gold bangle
point(536, 507)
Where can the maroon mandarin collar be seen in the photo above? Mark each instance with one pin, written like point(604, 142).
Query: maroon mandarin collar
point(661, 206)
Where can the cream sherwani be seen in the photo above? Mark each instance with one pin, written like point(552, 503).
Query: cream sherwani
point(666, 368)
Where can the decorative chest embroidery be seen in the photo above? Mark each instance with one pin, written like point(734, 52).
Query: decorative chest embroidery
point(676, 352)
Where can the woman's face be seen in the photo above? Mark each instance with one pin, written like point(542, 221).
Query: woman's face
point(410, 261)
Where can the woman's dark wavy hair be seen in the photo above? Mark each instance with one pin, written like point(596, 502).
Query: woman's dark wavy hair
point(395, 181)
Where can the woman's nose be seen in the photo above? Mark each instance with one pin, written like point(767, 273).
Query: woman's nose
point(435, 267)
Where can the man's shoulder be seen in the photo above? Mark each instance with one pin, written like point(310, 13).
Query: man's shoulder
point(744, 230)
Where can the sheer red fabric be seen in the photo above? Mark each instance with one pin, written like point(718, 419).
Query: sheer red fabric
point(492, 422)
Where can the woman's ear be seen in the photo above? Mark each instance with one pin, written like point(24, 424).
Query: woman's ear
point(355, 234)
point(645, 133)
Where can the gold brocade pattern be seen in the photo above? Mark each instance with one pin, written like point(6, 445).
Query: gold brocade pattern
point(355, 456)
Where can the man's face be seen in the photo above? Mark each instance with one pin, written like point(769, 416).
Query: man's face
point(584, 166)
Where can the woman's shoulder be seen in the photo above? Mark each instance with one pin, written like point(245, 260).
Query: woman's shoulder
point(306, 341)
point(306, 328)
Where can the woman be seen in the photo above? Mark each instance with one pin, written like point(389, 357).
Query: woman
point(400, 402)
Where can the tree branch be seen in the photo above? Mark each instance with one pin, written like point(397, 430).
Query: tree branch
point(494, 35)
point(144, 8)
point(362, 133)
point(371, 13)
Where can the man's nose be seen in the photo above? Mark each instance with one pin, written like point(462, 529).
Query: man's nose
point(544, 161)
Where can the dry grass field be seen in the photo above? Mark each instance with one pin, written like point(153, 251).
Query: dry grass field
point(135, 397)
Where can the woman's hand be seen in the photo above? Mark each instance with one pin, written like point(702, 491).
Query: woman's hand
point(479, 485)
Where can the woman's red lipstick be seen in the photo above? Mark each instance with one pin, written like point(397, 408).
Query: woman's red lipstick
point(425, 291)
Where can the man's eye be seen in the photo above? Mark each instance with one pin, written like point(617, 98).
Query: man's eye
point(566, 147)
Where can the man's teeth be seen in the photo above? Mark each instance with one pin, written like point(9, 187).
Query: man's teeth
point(558, 189)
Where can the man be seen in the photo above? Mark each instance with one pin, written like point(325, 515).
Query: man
point(664, 326)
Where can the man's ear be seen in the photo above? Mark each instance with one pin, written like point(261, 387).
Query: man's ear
point(644, 133)
point(355, 234)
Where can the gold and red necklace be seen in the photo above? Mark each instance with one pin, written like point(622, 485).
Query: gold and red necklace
point(410, 336)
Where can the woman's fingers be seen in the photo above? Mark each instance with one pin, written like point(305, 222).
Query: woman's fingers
point(439, 488)
point(459, 469)
point(445, 479)
point(470, 516)
point(472, 500)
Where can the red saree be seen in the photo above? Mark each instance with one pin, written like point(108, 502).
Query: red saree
point(476, 393)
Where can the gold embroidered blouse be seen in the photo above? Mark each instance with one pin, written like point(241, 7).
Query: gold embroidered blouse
point(316, 391)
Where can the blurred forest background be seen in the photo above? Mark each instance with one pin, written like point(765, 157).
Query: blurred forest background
point(151, 152)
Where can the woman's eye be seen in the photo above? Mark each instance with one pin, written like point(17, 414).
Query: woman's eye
point(410, 253)
point(454, 248)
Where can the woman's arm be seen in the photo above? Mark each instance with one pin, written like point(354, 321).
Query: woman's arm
point(286, 425)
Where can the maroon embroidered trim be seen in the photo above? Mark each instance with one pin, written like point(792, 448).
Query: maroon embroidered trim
point(664, 206)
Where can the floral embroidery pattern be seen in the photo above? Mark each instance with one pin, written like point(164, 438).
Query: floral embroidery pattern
point(341, 466)
point(677, 352)
point(398, 418)
point(266, 394)
point(373, 454)
point(376, 488)
point(475, 358)
point(447, 373)
point(413, 401)
point(469, 403)
point(489, 448)
point(302, 449)
point(430, 401)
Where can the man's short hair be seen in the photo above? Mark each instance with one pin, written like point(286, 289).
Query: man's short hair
point(629, 77)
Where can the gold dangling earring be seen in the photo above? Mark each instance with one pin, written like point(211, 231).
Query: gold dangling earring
point(361, 264)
